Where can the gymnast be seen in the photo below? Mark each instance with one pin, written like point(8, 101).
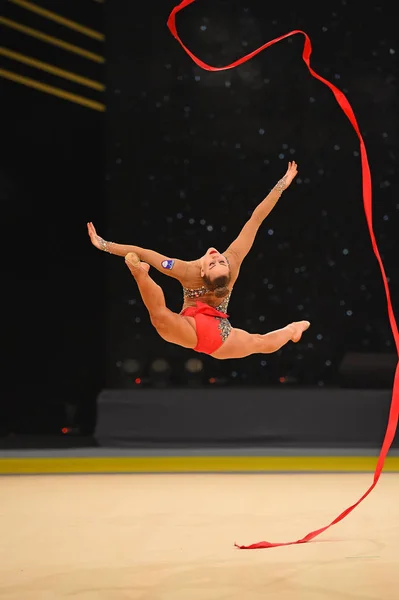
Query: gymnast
point(203, 325)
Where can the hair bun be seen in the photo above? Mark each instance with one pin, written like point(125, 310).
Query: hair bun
point(221, 291)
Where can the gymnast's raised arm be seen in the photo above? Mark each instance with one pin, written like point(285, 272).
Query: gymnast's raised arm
point(170, 266)
point(238, 249)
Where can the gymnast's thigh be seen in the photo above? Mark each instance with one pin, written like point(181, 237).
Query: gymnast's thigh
point(239, 344)
point(176, 329)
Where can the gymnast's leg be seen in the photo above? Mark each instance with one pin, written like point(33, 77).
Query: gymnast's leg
point(241, 343)
point(171, 327)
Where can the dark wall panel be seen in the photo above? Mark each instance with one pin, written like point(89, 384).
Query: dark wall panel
point(51, 184)
point(256, 417)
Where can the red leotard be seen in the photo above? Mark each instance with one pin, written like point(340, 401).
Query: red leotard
point(212, 326)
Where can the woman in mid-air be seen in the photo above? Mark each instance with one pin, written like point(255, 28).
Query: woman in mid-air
point(207, 282)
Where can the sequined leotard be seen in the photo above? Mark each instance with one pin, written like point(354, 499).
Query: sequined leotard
point(212, 324)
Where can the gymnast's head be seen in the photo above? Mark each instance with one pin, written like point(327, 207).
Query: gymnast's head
point(215, 271)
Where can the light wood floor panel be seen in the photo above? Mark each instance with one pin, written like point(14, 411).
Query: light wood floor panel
point(171, 537)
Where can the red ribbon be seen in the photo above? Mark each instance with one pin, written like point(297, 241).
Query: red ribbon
point(367, 201)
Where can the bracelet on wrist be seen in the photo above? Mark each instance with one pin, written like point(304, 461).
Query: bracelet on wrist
point(105, 245)
point(281, 185)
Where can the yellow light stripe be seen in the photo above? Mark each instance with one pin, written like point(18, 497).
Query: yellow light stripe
point(51, 40)
point(38, 64)
point(197, 464)
point(47, 14)
point(49, 89)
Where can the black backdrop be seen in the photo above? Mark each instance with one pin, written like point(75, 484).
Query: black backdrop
point(191, 153)
point(52, 180)
point(177, 162)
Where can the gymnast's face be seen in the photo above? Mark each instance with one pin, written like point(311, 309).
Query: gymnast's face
point(214, 264)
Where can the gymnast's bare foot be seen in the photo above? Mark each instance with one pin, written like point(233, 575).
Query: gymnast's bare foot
point(297, 329)
point(135, 265)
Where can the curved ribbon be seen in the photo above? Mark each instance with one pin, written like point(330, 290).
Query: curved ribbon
point(367, 201)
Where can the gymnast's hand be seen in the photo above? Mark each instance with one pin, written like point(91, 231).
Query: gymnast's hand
point(291, 173)
point(96, 240)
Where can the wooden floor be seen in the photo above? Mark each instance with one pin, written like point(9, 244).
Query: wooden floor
point(171, 537)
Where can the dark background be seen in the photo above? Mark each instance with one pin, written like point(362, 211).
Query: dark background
point(191, 153)
point(52, 181)
point(177, 163)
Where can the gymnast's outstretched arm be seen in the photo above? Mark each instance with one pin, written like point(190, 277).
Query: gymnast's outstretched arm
point(170, 266)
point(243, 243)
